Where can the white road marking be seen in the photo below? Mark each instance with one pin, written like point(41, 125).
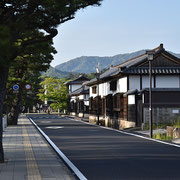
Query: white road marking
point(61, 154)
point(55, 127)
point(46, 122)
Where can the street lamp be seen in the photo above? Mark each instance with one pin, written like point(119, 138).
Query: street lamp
point(150, 59)
point(98, 78)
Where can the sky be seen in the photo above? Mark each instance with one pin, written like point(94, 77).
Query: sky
point(117, 27)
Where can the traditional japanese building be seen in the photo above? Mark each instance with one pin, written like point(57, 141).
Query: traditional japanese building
point(78, 101)
point(76, 83)
point(124, 91)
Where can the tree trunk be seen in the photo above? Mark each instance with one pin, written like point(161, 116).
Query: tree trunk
point(3, 81)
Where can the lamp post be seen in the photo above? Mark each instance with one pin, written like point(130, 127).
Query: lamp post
point(150, 59)
point(98, 78)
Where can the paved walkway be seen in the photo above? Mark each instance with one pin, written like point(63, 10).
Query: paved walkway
point(29, 157)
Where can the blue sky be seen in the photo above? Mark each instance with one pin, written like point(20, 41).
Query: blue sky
point(119, 26)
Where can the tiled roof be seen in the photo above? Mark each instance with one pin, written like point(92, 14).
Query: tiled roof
point(81, 90)
point(160, 89)
point(159, 70)
point(133, 61)
point(78, 80)
point(128, 67)
point(110, 72)
point(140, 58)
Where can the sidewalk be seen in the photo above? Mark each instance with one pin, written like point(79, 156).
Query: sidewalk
point(29, 157)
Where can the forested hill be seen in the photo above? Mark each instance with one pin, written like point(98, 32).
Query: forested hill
point(52, 72)
point(87, 64)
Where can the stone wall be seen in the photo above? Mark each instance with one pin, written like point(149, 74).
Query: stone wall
point(126, 124)
point(80, 115)
point(173, 132)
point(72, 113)
point(93, 119)
point(161, 115)
point(118, 123)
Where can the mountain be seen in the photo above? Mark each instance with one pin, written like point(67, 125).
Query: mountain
point(87, 64)
point(52, 72)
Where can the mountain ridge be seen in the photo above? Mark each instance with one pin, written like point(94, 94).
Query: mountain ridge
point(87, 64)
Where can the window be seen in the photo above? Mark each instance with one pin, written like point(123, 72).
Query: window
point(94, 89)
point(113, 85)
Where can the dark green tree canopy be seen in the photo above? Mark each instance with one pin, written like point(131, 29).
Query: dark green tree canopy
point(25, 24)
point(20, 17)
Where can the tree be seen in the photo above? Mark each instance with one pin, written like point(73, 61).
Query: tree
point(54, 91)
point(23, 98)
point(33, 60)
point(20, 17)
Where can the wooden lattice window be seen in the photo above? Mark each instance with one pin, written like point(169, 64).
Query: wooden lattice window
point(94, 89)
point(113, 85)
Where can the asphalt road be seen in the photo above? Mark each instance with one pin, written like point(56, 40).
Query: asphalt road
point(102, 154)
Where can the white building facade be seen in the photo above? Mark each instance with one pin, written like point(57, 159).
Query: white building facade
point(122, 91)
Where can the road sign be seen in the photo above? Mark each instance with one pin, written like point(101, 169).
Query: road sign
point(16, 87)
point(28, 86)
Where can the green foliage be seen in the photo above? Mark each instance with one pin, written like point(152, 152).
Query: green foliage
point(26, 23)
point(26, 70)
point(176, 123)
point(54, 90)
point(52, 72)
point(155, 126)
point(161, 136)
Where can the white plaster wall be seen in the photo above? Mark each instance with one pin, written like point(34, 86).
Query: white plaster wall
point(73, 98)
point(101, 89)
point(121, 86)
point(84, 96)
point(104, 88)
point(131, 99)
point(86, 103)
point(81, 97)
point(145, 82)
point(167, 81)
point(162, 81)
point(134, 82)
point(90, 92)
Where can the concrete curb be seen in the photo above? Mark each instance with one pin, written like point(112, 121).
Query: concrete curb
point(131, 134)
